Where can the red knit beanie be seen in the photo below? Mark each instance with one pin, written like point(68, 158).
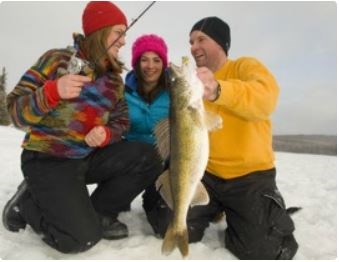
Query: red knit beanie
point(98, 15)
point(147, 43)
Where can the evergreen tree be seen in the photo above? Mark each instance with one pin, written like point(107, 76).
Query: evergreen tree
point(4, 116)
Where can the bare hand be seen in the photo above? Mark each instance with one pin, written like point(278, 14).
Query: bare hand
point(96, 136)
point(207, 78)
point(69, 86)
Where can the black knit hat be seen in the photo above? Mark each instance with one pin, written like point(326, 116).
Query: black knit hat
point(216, 29)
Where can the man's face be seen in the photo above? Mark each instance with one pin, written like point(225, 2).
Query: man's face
point(204, 49)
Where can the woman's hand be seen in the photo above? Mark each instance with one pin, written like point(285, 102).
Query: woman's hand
point(69, 86)
point(96, 136)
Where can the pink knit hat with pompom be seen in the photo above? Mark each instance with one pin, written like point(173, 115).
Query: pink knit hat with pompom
point(149, 43)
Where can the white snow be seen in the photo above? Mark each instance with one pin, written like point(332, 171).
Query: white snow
point(304, 180)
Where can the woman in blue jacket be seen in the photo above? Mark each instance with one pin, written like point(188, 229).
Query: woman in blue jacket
point(147, 97)
point(146, 88)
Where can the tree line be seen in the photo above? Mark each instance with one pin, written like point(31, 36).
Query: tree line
point(4, 116)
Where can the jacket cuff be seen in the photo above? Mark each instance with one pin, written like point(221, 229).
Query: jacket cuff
point(51, 93)
point(108, 137)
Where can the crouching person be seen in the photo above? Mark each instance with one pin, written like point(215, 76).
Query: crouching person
point(241, 175)
point(74, 124)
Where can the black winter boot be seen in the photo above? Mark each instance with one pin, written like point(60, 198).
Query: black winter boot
point(288, 249)
point(126, 208)
point(11, 218)
point(113, 229)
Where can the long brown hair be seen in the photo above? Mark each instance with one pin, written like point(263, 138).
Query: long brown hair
point(95, 47)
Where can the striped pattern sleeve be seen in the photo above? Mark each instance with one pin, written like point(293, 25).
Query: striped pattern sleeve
point(27, 103)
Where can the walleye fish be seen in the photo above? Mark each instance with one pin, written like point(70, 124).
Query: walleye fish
point(189, 123)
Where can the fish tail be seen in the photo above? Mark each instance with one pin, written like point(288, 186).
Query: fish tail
point(174, 238)
point(168, 244)
point(182, 242)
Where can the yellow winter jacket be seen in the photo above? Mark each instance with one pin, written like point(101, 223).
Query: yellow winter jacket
point(249, 94)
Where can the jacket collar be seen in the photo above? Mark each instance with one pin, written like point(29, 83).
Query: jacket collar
point(131, 82)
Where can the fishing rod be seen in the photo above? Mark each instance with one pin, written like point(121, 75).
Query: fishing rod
point(76, 65)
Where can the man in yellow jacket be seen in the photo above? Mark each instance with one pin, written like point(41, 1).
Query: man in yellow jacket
point(240, 175)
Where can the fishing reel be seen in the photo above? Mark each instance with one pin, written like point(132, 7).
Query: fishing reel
point(77, 66)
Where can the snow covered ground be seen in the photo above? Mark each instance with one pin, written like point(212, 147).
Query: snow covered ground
point(304, 180)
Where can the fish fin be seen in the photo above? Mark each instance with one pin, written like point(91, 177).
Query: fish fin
point(201, 196)
point(162, 137)
point(181, 240)
point(174, 239)
point(168, 243)
point(212, 121)
point(163, 186)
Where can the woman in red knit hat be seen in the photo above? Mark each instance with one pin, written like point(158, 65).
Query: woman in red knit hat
point(71, 104)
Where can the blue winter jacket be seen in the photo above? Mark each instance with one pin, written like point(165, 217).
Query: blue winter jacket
point(143, 116)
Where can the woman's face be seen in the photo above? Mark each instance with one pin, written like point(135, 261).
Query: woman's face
point(151, 67)
point(117, 31)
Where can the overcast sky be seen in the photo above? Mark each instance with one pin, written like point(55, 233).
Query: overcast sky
point(297, 41)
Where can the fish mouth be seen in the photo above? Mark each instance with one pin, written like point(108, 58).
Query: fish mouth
point(174, 70)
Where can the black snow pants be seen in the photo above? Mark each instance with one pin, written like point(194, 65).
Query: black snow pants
point(58, 205)
point(258, 226)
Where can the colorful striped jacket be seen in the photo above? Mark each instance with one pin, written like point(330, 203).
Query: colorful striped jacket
point(60, 129)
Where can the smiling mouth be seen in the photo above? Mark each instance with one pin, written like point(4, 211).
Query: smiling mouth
point(149, 74)
point(198, 57)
